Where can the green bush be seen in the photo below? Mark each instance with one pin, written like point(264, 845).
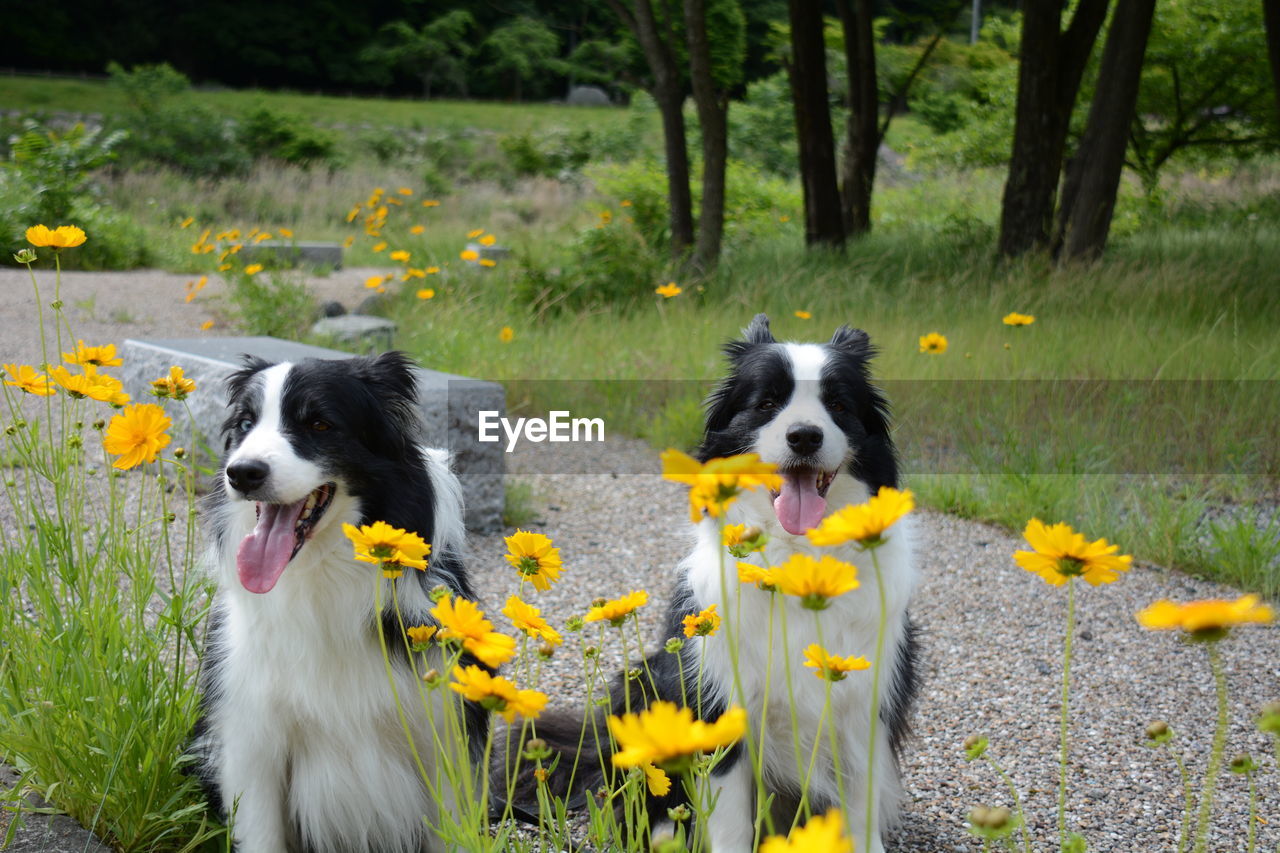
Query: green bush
point(270, 303)
point(558, 154)
point(270, 134)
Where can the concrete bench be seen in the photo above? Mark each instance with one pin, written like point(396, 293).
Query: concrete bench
point(448, 406)
point(281, 253)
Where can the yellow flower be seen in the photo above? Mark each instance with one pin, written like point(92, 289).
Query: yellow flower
point(420, 635)
point(1016, 319)
point(253, 269)
point(374, 281)
point(221, 268)
point(488, 262)
point(717, 482)
point(822, 834)
point(704, 623)
point(784, 218)
point(814, 581)
point(741, 540)
point(417, 229)
point(829, 666)
point(469, 255)
point(866, 522)
point(353, 213)
point(616, 611)
point(658, 782)
point(349, 241)
point(933, 343)
point(388, 547)
point(194, 287)
point(488, 240)
point(495, 693)
point(528, 619)
point(534, 557)
point(186, 223)
point(430, 202)
point(206, 325)
point(426, 293)
point(759, 575)
point(666, 735)
point(285, 233)
point(400, 255)
point(29, 380)
point(668, 290)
point(1205, 620)
point(405, 191)
point(62, 237)
point(91, 384)
point(462, 620)
point(378, 247)
point(606, 216)
point(471, 235)
point(175, 385)
point(136, 435)
point(507, 335)
point(103, 356)
point(1061, 553)
point(432, 270)
point(626, 202)
point(804, 315)
point(265, 235)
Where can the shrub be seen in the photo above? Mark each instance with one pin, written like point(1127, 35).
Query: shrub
point(267, 133)
point(607, 264)
point(558, 154)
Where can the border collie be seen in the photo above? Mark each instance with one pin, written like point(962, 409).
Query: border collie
point(299, 744)
point(811, 410)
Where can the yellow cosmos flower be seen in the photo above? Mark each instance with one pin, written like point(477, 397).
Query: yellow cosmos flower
point(933, 343)
point(616, 611)
point(488, 240)
point(426, 293)
point(253, 269)
point(832, 667)
point(417, 229)
point(528, 619)
point(741, 540)
point(814, 582)
point(349, 241)
point(804, 315)
point(103, 356)
point(469, 255)
point(91, 384)
point(285, 233)
point(400, 255)
point(717, 482)
point(784, 218)
point(864, 523)
point(261, 236)
point(175, 386)
point(194, 287)
point(29, 380)
point(420, 635)
point(669, 290)
point(606, 216)
point(136, 435)
point(186, 223)
point(822, 834)
point(761, 576)
point(380, 246)
point(658, 782)
point(388, 547)
point(1061, 553)
point(430, 202)
point(432, 270)
point(704, 623)
point(495, 693)
point(507, 335)
point(374, 281)
point(462, 620)
point(353, 213)
point(626, 202)
point(488, 262)
point(534, 557)
point(1016, 319)
point(666, 735)
point(405, 191)
point(62, 237)
point(1205, 620)
point(471, 235)
point(206, 325)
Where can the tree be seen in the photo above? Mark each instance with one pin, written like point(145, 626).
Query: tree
point(523, 48)
point(1052, 61)
point(439, 49)
point(863, 97)
point(713, 71)
point(667, 88)
point(807, 66)
point(1271, 16)
point(1093, 175)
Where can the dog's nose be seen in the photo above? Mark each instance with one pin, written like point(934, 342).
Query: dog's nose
point(804, 439)
point(248, 476)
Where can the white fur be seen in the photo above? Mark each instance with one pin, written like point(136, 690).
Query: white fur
point(765, 658)
point(311, 749)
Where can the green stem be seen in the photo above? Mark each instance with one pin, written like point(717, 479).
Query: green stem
point(1187, 804)
point(1215, 755)
point(1017, 802)
point(1253, 814)
point(1065, 716)
point(875, 703)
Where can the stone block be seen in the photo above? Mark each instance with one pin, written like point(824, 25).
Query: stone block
point(448, 404)
point(281, 253)
point(362, 332)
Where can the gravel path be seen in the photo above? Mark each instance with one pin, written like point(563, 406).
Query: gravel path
point(992, 632)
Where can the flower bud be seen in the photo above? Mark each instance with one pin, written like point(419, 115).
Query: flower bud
point(1270, 719)
point(431, 677)
point(536, 749)
point(590, 652)
point(25, 256)
point(679, 814)
point(975, 746)
point(574, 624)
point(674, 645)
point(546, 651)
point(438, 592)
point(1158, 733)
point(100, 425)
point(179, 453)
point(1243, 764)
point(599, 602)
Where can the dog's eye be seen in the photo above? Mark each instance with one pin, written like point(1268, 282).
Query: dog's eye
point(835, 406)
point(766, 405)
point(319, 425)
point(245, 424)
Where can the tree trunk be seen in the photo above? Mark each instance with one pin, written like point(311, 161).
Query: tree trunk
point(823, 220)
point(1049, 71)
point(864, 110)
point(1093, 175)
point(713, 116)
point(1271, 19)
point(669, 95)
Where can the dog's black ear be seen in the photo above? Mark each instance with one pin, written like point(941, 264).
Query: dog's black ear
point(391, 373)
point(251, 366)
point(853, 341)
point(758, 332)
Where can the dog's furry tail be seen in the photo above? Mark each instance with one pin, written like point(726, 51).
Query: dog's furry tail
point(564, 756)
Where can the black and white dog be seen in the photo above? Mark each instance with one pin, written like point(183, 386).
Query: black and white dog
point(811, 410)
point(299, 742)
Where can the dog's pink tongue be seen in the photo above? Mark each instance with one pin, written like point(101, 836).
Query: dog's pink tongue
point(266, 551)
point(798, 506)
